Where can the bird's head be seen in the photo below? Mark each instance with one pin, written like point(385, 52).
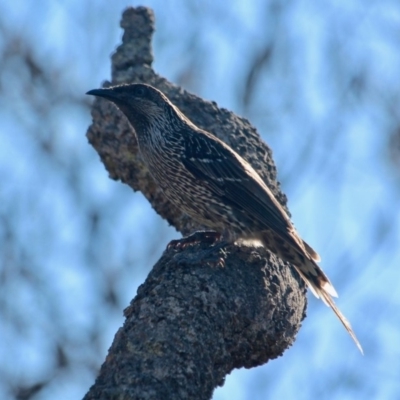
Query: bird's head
point(143, 105)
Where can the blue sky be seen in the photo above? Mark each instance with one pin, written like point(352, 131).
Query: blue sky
point(326, 102)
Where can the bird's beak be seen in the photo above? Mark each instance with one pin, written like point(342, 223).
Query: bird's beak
point(106, 93)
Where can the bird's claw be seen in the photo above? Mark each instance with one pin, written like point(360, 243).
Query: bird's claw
point(218, 263)
point(209, 237)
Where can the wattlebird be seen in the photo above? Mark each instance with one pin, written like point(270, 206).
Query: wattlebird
point(214, 185)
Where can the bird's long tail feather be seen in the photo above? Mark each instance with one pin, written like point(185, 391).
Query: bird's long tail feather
point(322, 288)
point(330, 303)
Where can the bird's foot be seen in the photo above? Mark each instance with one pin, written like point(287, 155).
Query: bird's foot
point(217, 255)
point(218, 262)
point(209, 237)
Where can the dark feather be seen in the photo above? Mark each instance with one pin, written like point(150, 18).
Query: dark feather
point(231, 178)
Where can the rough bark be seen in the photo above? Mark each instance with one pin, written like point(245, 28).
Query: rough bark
point(195, 318)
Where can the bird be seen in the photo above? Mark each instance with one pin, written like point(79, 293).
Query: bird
point(214, 185)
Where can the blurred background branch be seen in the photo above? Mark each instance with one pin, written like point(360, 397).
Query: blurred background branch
point(318, 80)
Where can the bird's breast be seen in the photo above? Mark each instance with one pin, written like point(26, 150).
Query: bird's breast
point(182, 189)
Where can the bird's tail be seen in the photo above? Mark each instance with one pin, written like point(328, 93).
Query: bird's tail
point(304, 258)
point(322, 288)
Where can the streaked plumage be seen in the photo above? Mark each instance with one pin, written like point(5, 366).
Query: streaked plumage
point(213, 184)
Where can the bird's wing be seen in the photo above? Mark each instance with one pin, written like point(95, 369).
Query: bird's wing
point(233, 179)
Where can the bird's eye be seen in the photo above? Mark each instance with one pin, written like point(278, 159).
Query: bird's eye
point(140, 91)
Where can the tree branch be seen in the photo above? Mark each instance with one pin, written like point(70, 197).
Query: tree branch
point(196, 317)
